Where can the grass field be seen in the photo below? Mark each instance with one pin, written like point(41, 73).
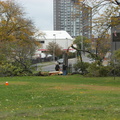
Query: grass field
point(60, 98)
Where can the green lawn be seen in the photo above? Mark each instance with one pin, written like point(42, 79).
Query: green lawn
point(60, 98)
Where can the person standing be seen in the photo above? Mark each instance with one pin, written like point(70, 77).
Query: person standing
point(64, 69)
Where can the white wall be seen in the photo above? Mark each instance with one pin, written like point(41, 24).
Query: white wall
point(64, 43)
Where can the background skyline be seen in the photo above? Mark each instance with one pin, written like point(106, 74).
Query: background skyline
point(40, 12)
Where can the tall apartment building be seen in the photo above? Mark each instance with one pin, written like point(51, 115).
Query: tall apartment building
point(71, 16)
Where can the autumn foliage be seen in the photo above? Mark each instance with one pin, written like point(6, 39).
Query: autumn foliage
point(17, 36)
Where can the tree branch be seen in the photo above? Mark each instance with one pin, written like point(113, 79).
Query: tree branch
point(118, 3)
point(95, 56)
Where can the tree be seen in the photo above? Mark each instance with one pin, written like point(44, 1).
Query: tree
point(81, 40)
point(54, 49)
point(100, 3)
point(17, 35)
point(102, 46)
point(103, 13)
point(82, 43)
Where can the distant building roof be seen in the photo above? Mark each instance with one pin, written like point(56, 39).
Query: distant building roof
point(56, 35)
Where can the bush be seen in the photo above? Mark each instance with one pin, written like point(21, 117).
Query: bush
point(81, 67)
point(94, 70)
point(8, 69)
point(115, 69)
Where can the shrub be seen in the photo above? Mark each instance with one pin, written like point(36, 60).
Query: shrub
point(8, 69)
point(115, 69)
point(81, 67)
point(95, 70)
point(104, 71)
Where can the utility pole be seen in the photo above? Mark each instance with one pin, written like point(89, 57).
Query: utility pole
point(54, 47)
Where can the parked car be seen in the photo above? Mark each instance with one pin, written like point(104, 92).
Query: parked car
point(60, 61)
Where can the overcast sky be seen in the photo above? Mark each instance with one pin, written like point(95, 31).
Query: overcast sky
point(40, 11)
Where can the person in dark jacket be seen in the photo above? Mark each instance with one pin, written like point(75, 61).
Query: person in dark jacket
point(57, 67)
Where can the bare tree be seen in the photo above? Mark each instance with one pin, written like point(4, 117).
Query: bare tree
point(54, 49)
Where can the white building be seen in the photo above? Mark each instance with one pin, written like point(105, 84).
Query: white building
point(62, 38)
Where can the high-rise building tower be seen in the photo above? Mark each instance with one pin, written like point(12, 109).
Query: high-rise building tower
point(73, 17)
